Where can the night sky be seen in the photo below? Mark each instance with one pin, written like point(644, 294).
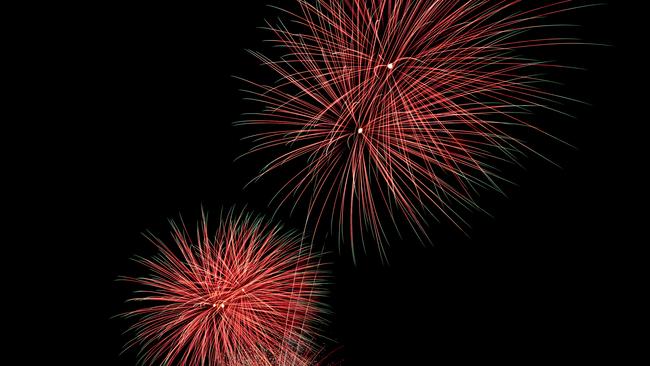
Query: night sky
point(542, 277)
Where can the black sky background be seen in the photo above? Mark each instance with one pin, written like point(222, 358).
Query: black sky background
point(546, 277)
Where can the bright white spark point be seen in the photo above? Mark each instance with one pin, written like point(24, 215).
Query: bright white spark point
point(223, 306)
point(360, 130)
point(390, 66)
point(214, 305)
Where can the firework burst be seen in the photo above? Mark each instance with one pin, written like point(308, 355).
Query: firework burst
point(401, 107)
point(246, 294)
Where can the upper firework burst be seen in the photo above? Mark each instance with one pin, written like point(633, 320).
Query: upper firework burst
point(247, 293)
point(398, 106)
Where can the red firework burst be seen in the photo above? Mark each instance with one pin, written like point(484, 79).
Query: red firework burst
point(247, 294)
point(399, 106)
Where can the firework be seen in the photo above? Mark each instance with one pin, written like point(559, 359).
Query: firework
point(396, 108)
point(246, 294)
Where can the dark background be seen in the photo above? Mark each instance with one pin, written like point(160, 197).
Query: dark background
point(547, 277)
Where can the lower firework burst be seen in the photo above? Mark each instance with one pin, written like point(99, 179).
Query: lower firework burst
point(246, 294)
